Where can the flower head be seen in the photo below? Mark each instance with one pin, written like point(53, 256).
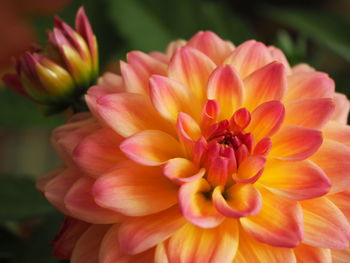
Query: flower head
point(63, 74)
point(206, 153)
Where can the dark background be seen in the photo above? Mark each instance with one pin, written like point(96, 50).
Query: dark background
point(314, 31)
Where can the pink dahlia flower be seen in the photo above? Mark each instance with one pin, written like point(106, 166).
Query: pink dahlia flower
point(208, 153)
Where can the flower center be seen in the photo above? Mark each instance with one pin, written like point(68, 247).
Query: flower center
point(228, 151)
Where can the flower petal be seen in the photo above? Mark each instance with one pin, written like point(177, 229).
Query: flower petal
point(337, 131)
point(135, 190)
point(151, 147)
point(226, 87)
point(279, 223)
point(295, 143)
point(141, 233)
point(68, 236)
point(211, 45)
point(341, 256)
point(295, 180)
point(240, 200)
point(309, 84)
point(87, 247)
point(334, 159)
point(309, 112)
point(342, 108)
point(322, 220)
point(66, 137)
point(181, 170)
point(278, 55)
point(110, 251)
point(252, 251)
point(170, 97)
point(341, 200)
point(98, 152)
point(56, 189)
point(192, 68)
point(309, 254)
point(250, 169)
point(196, 206)
point(138, 70)
point(266, 120)
point(188, 132)
point(248, 57)
point(265, 84)
point(129, 113)
point(197, 245)
point(80, 203)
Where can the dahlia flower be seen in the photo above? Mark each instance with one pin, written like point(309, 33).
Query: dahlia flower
point(62, 74)
point(207, 153)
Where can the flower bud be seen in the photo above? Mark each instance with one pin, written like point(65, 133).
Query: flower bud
point(61, 76)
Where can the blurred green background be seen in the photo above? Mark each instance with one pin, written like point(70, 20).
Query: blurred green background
point(316, 32)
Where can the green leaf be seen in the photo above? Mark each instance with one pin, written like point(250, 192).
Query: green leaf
point(322, 27)
point(19, 199)
point(138, 25)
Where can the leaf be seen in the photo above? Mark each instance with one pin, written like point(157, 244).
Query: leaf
point(323, 28)
point(19, 199)
point(138, 25)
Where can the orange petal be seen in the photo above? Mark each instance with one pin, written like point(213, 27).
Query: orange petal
point(196, 205)
point(341, 200)
point(197, 245)
point(138, 70)
point(248, 57)
point(309, 84)
point(68, 236)
point(226, 87)
point(211, 45)
point(334, 159)
point(87, 248)
point(98, 152)
point(278, 55)
point(110, 251)
point(188, 132)
point(295, 180)
point(170, 97)
point(129, 113)
point(265, 84)
point(324, 224)
point(342, 108)
point(250, 169)
point(309, 254)
point(135, 190)
point(180, 171)
point(240, 200)
point(295, 143)
point(279, 223)
point(252, 251)
point(266, 120)
point(210, 113)
point(341, 256)
point(160, 255)
point(192, 68)
point(337, 131)
point(66, 137)
point(309, 112)
point(141, 233)
point(80, 203)
point(56, 189)
point(151, 147)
